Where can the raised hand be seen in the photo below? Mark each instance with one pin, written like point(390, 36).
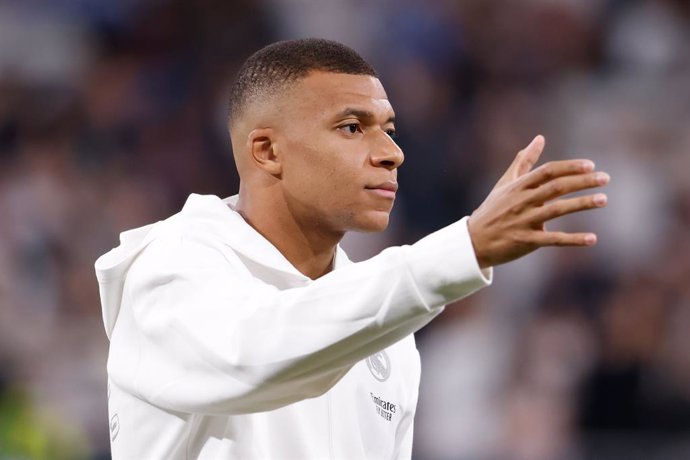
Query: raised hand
point(511, 221)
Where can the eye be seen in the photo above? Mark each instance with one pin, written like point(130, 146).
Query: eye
point(392, 133)
point(351, 128)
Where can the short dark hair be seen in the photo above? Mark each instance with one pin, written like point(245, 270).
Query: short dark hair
point(284, 62)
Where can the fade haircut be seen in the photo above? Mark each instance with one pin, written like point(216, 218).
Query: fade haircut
point(277, 65)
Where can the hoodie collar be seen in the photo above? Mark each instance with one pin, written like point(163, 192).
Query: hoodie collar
point(228, 226)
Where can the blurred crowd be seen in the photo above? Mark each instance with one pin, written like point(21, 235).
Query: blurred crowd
point(111, 113)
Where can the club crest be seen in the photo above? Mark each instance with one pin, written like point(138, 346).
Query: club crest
point(379, 365)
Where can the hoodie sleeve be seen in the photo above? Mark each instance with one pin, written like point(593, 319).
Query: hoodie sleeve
point(197, 333)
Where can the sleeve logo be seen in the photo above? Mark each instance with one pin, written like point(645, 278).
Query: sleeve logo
point(114, 427)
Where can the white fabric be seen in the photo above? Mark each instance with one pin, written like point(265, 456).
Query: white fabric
point(220, 348)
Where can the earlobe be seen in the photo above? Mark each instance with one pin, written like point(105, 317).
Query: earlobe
point(263, 149)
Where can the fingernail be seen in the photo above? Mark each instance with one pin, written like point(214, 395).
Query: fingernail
point(600, 199)
point(590, 239)
point(602, 178)
point(587, 165)
point(537, 138)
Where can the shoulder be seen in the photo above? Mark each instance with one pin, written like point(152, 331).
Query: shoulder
point(196, 238)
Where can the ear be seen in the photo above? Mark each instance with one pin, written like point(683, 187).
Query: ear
point(262, 146)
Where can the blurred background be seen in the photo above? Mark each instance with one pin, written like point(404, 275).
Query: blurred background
point(112, 112)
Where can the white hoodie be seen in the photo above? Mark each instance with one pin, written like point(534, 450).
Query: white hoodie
point(220, 348)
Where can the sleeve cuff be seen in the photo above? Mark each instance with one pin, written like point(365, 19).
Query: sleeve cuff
point(444, 265)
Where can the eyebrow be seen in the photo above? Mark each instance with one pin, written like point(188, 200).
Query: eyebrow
point(359, 113)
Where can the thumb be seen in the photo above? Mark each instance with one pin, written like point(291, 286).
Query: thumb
point(524, 160)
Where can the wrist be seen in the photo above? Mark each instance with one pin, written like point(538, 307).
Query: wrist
point(476, 244)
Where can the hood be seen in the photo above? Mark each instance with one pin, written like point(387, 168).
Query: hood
point(111, 270)
point(221, 224)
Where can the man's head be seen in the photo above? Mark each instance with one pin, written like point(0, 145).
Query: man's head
point(311, 130)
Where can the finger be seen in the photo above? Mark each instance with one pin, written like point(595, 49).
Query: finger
point(554, 169)
point(531, 155)
point(568, 184)
point(524, 160)
point(568, 206)
point(543, 239)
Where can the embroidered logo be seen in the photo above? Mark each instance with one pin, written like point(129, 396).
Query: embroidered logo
point(379, 365)
point(114, 427)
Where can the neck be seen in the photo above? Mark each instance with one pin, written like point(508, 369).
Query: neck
point(306, 245)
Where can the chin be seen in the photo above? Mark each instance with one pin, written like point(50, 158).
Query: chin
point(371, 223)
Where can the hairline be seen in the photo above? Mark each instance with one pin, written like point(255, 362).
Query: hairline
point(281, 88)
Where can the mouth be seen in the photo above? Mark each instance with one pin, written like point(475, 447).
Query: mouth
point(385, 189)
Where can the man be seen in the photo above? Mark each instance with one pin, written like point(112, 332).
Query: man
point(238, 327)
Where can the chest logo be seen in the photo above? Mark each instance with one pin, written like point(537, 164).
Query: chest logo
point(380, 366)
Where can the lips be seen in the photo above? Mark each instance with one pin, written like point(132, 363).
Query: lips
point(390, 186)
point(386, 189)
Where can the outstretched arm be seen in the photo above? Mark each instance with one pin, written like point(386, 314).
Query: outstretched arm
point(510, 223)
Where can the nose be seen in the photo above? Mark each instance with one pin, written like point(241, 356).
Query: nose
point(387, 154)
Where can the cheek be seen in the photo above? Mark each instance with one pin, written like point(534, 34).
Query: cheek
point(331, 185)
point(306, 176)
point(323, 171)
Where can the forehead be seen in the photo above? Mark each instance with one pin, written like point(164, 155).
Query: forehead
point(328, 92)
